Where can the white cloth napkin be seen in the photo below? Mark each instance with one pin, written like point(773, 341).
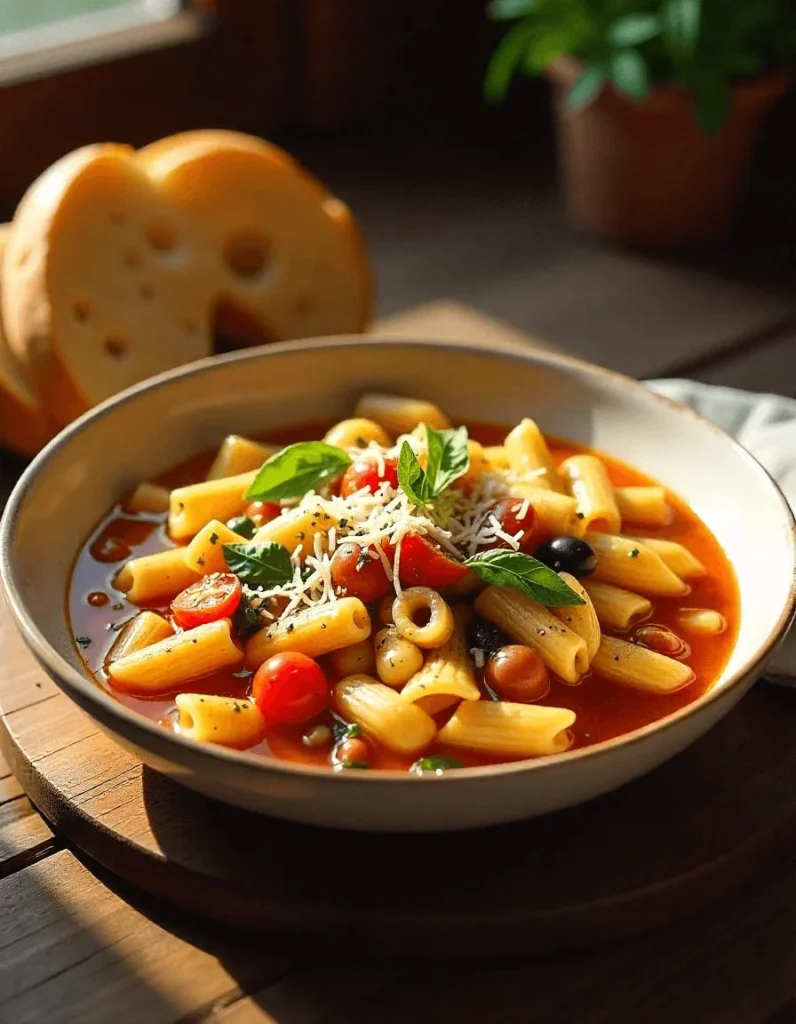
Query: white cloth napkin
point(766, 426)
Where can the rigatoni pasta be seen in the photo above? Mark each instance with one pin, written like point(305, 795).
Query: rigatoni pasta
point(393, 591)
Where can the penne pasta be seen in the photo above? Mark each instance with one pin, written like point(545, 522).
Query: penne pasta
point(400, 415)
point(227, 721)
point(580, 618)
point(678, 558)
point(616, 608)
point(631, 565)
point(701, 621)
point(171, 663)
point(448, 671)
point(646, 505)
point(296, 529)
point(559, 647)
point(205, 553)
point(155, 579)
point(354, 659)
point(557, 513)
point(497, 456)
point(590, 486)
point(639, 667)
point(149, 498)
point(145, 629)
point(529, 457)
point(397, 659)
point(379, 711)
point(410, 605)
point(356, 433)
point(239, 455)
point(314, 631)
point(511, 730)
point(191, 507)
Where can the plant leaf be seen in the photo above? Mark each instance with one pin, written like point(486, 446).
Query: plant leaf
point(586, 88)
point(505, 62)
point(634, 29)
point(448, 459)
point(682, 26)
point(508, 10)
point(545, 47)
point(521, 572)
point(297, 469)
point(260, 565)
point(629, 73)
point(711, 91)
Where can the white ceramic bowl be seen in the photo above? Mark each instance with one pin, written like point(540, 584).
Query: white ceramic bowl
point(71, 484)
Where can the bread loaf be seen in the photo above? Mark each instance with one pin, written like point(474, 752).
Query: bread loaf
point(23, 424)
point(122, 264)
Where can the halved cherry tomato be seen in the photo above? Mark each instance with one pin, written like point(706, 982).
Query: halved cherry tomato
point(216, 596)
point(290, 688)
point(262, 512)
point(364, 472)
point(506, 511)
point(423, 565)
point(358, 574)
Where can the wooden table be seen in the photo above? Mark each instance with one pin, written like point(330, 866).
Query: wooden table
point(76, 946)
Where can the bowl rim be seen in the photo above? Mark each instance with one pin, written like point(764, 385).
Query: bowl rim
point(85, 691)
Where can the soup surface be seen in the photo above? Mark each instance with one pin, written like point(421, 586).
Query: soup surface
point(474, 667)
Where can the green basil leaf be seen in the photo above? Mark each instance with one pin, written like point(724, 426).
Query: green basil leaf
point(448, 459)
point(436, 764)
point(297, 469)
point(529, 576)
point(260, 565)
point(586, 88)
point(629, 73)
point(243, 525)
point(634, 29)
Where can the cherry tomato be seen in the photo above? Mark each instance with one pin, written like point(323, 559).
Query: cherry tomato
point(517, 674)
point(358, 574)
point(290, 688)
point(423, 565)
point(262, 512)
point(364, 472)
point(507, 512)
point(214, 597)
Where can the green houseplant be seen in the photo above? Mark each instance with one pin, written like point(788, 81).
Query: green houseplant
point(658, 103)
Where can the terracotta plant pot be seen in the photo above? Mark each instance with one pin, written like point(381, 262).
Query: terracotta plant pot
point(644, 173)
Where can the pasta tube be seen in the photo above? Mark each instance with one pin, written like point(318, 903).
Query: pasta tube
point(150, 498)
point(529, 456)
point(397, 659)
point(437, 631)
point(169, 664)
point(145, 629)
point(647, 505)
point(239, 455)
point(356, 433)
point(154, 579)
point(559, 647)
point(379, 711)
point(557, 513)
point(296, 529)
point(616, 608)
point(678, 558)
point(400, 415)
point(633, 566)
point(223, 720)
point(591, 488)
point(205, 553)
point(313, 631)
point(639, 667)
point(496, 456)
point(515, 730)
point(354, 659)
point(448, 671)
point(580, 618)
point(192, 506)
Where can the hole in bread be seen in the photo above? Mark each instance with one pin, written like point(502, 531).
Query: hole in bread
point(116, 347)
point(161, 237)
point(81, 310)
point(131, 258)
point(145, 290)
point(234, 329)
point(246, 254)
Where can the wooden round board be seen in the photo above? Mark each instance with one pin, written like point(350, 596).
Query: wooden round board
point(642, 856)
